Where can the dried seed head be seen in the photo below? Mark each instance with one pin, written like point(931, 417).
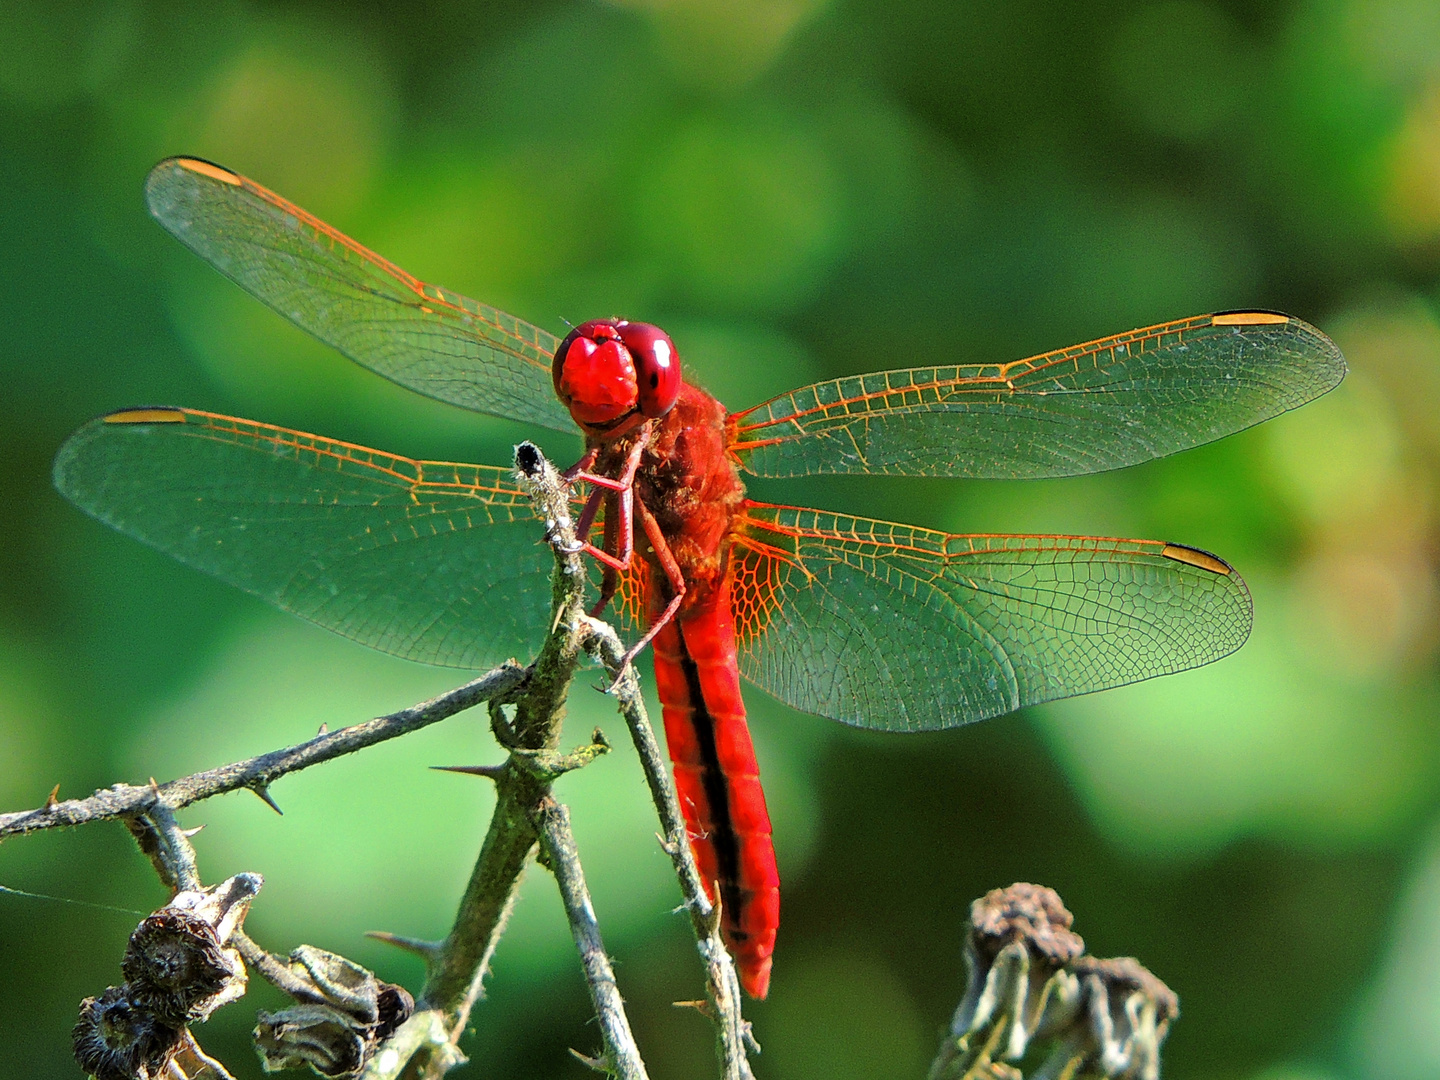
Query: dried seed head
point(1117, 1032)
point(1029, 981)
point(335, 981)
point(177, 964)
point(172, 951)
point(1125, 976)
point(223, 906)
point(117, 1039)
point(343, 1014)
point(177, 968)
point(1019, 942)
point(1032, 914)
point(395, 1006)
point(326, 1039)
point(331, 1041)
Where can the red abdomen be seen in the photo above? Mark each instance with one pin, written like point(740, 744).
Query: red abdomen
point(718, 781)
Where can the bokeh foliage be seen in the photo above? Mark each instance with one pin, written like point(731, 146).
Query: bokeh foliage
point(795, 189)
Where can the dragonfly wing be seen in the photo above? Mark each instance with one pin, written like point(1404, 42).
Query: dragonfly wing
point(906, 629)
point(1092, 407)
point(429, 339)
point(431, 561)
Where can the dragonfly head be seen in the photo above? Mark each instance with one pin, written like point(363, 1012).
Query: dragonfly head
point(611, 374)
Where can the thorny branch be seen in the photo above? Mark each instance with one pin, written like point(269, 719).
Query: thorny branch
point(558, 844)
point(258, 773)
point(167, 846)
point(532, 734)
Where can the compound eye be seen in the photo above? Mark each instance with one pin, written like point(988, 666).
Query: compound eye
point(594, 374)
point(596, 330)
point(657, 366)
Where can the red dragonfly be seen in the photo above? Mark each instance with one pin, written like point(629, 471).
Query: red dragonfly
point(880, 625)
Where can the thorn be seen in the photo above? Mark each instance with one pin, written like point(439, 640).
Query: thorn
point(53, 799)
point(600, 1064)
point(490, 772)
point(324, 728)
point(747, 1032)
point(154, 787)
point(420, 947)
point(263, 791)
point(702, 1007)
point(188, 833)
point(627, 667)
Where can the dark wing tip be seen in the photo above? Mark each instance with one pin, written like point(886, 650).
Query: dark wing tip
point(1327, 355)
point(1235, 628)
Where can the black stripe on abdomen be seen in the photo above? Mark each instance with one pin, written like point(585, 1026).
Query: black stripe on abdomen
point(717, 792)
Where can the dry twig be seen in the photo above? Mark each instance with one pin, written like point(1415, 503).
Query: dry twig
point(258, 773)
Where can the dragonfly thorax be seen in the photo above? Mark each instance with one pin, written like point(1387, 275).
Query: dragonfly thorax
point(689, 483)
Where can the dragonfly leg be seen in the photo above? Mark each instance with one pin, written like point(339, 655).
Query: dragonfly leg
point(609, 583)
point(618, 547)
point(609, 483)
point(581, 469)
point(626, 533)
point(582, 466)
point(587, 515)
point(666, 558)
point(623, 538)
point(610, 577)
point(624, 485)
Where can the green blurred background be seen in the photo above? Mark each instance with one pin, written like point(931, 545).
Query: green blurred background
point(794, 189)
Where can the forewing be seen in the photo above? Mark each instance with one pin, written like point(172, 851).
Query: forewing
point(1102, 405)
point(429, 339)
point(905, 629)
point(432, 561)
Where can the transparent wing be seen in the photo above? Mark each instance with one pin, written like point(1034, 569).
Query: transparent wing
point(905, 629)
point(1102, 405)
point(429, 339)
point(428, 560)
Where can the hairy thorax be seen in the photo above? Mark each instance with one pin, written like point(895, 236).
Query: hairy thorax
point(691, 486)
